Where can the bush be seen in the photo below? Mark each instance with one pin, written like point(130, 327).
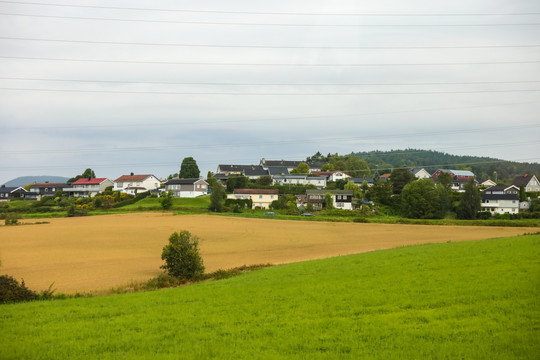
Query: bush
point(182, 258)
point(11, 219)
point(166, 202)
point(11, 291)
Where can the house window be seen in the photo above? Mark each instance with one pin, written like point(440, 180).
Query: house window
point(260, 196)
point(271, 196)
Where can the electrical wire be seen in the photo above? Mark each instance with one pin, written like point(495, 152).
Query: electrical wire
point(269, 94)
point(262, 24)
point(270, 13)
point(270, 64)
point(272, 46)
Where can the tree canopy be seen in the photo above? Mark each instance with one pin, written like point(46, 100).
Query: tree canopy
point(301, 169)
point(422, 199)
point(400, 177)
point(88, 173)
point(189, 169)
point(469, 205)
point(182, 258)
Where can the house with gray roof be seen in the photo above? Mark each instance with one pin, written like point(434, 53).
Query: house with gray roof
point(317, 181)
point(187, 188)
point(289, 164)
point(8, 193)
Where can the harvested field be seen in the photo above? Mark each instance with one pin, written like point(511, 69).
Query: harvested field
point(97, 253)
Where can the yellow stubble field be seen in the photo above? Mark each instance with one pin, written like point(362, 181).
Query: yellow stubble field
point(97, 253)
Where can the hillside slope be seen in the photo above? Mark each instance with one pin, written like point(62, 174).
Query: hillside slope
point(483, 167)
point(25, 180)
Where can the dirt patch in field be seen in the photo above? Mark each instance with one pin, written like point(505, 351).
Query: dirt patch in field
point(100, 252)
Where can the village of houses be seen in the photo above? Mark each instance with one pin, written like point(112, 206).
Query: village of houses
point(495, 199)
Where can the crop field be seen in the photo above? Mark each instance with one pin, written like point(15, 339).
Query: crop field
point(468, 300)
point(97, 253)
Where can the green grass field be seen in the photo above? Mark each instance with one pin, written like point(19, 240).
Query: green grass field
point(470, 300)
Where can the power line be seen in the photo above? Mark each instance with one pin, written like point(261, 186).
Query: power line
point(262, 24)
point(259, 143)
point(272, 46)
point(273, 120)
point(268, 94)
point(272, 13)
point(270, 84)
point(270, 64)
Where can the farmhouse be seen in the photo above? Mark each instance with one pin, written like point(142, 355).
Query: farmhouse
point(88, 187)
point(131, 184)
point(261, 198)
point(187, 188)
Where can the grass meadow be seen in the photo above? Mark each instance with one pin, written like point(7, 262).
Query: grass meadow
point(468, 300)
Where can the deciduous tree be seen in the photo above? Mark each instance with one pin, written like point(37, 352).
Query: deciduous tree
point(182, 258)
point(301, 169)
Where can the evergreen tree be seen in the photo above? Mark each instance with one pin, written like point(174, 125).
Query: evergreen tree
point(401, 177)
point(216, 198)
point(189, 169)
point(469, 206)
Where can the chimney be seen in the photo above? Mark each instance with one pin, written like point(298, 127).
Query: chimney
point(132, 174)
point(89, 178)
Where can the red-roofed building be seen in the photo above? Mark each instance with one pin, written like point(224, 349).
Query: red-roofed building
point(131, 184)
point(88, 187)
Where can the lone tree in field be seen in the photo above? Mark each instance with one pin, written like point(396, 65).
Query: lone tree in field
point(182, 258)
point(189, 169)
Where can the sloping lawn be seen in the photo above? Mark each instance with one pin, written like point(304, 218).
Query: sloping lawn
point(470, 300)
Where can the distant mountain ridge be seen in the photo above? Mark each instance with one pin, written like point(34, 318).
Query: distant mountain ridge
point(482, 167)
point(25, 180)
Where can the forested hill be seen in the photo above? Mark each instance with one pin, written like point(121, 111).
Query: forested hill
point(483, 167)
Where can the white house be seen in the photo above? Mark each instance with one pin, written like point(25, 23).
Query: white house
point(500, 203)
point(131, 184)
point(260, 197)
point(421, 173)
point(333, 175)
point(488, 183)
point(501, 199)
point(187, 188)
point(529, 182)
point(88, 187)
point(342, 198)
point(317, 181)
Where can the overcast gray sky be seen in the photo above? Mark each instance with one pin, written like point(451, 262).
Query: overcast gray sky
point(121, 87)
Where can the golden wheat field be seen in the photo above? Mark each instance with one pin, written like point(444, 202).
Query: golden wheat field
point(96, 253)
